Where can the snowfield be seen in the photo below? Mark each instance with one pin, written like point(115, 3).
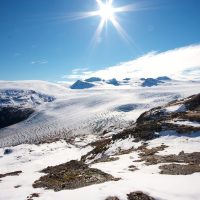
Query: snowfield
point(30, 159)
point(63, 130)
point(88, 111)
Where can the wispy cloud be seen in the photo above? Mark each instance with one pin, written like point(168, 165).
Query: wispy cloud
point(79, 70)
point(77, 73)
point(39, 62)
point(180, 63)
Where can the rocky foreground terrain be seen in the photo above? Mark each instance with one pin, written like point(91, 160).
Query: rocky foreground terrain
point(157, 157)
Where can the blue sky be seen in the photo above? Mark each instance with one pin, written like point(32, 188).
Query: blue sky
point(39, 41)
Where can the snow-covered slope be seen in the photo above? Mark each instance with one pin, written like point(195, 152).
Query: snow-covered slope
point(136, 164)
point(96, 110)
point(36, 85)
point(24, 98)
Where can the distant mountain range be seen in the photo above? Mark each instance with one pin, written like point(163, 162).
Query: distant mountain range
point(96, 81)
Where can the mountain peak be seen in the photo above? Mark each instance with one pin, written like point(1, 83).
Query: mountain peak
point(81, 85)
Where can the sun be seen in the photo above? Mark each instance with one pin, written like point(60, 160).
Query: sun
point(106, 11)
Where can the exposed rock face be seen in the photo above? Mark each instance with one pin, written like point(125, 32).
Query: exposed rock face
point(139, 196)
point(12, 115)
point(99, 148)
point(81, 85)
point(193, 103)
point(71, 175)
point(177, 169)
point(190, 158)
point(17, 105)
point(148, 126)
point(165, 119)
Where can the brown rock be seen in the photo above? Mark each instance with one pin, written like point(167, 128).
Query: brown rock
point(139, 196)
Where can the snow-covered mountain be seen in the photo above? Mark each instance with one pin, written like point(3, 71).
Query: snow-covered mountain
point(128, 82)
point(120, 142)
point(149, 82)
point(42, 87)
point(154, 158)
point(24, 98)
point(113, 81)
point(17, 105)
point(93, 79)
point(97, 110)
point(82, 85)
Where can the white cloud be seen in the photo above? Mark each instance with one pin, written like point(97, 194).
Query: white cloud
point(39, 62)
point(77, 73)
point(73, 76)
point(79, 70)
point(177, 63)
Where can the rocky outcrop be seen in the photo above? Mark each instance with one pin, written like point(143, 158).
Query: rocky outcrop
point(15, 173)
point(139, 196)
point(71, 175)
point(166, 118)
point(177, 169)
point(152, 159)
point(17, 105)
point(12, 115)
point(112, 198)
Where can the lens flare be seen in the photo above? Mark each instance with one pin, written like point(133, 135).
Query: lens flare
point(108, 13)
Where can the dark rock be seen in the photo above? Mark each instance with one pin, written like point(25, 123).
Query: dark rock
point(149, 152)
point(112, 198)
point(71, 175)
point(190, 158)
point(139, 196)
point(133, 168)
point(100, 147)
point(157, 119)
point(15, 173)
point(7, 151)
point(17, 186)
point(33, 195)
point(105, 159)
point(193, 103)
point(12, 115)
point(177, 169)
